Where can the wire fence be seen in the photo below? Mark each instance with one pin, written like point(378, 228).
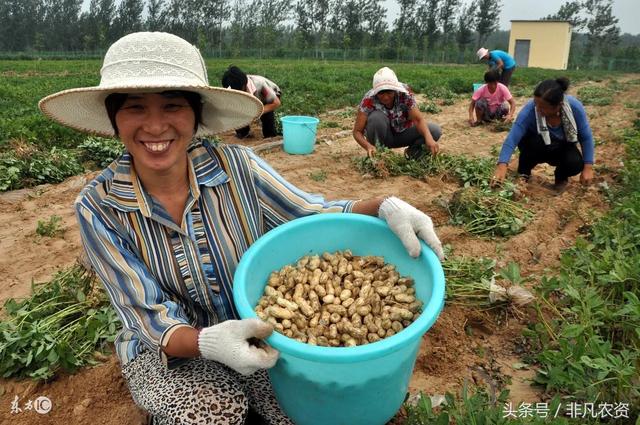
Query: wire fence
point(405, 55)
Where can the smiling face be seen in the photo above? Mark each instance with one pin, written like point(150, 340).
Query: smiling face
point(156, 130)
point(386, 97)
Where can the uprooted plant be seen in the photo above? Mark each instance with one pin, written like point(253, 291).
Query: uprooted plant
point(60, 326)
point(473, 282)
point(488, 213)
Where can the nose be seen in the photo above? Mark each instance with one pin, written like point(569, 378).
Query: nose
point(154, 121)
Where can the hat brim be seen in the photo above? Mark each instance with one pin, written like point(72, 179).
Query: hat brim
point(83, 109)
point(393, 87)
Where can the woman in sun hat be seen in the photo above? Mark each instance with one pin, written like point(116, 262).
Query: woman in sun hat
point(164, 227)
point(388, 115)
point(499, 60)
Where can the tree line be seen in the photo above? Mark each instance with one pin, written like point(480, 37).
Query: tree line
point(422, 27)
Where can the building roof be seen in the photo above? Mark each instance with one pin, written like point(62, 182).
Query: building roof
point(540, 20)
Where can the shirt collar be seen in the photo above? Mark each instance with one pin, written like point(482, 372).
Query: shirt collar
point(127, 194)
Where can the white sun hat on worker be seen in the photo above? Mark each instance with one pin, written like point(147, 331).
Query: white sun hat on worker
point(385, 79)
point(151, 62)
point(482, 52)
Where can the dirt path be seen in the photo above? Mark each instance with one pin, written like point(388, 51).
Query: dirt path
point(463, 345)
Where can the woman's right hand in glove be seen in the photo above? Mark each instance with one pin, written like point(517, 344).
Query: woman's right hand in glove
point(228, 343)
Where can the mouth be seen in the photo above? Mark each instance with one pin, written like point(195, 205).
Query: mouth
point(157, 146)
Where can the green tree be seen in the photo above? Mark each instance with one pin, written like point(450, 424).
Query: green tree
point(62, 25)
point(156, 15)
point(405, 26)
point(214, 15)
point(448, 11)
point(127, 19)
point(465, 25)
point(312, 18)
point(429, 23)
point(570, 11)
point(488, 14)
point(602, 26)
point(374, 14)
point(19, 21)
point(97, 24)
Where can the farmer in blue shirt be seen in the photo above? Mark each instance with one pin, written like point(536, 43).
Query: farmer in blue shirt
point(499, 60)
point(548, 130)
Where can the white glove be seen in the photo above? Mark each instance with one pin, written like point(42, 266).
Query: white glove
point(227, 343)
point(406, 221)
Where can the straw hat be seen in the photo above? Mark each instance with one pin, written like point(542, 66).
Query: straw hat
point(151, 62)
point(482, 52)
point(385, 79)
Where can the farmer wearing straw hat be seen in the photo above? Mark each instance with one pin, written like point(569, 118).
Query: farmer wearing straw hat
point(165, 225)
point(264, 89)
point(499, 60)
point(388, 115)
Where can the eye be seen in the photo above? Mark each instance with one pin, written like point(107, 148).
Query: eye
point(173, 107)
point(133, 107)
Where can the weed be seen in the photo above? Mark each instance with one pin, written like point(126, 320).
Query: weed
point(318, 176)
point(50, 228)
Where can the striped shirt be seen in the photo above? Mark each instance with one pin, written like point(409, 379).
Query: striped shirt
point(160, 276)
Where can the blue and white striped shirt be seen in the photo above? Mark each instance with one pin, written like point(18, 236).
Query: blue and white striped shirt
point(160, 276)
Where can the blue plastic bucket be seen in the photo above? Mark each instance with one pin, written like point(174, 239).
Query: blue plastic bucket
point(476, 86)
point(363, 385)
point(299, 134)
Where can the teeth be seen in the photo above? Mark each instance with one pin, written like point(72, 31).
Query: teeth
point(157, 147)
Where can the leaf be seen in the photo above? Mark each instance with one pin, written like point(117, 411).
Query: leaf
point(53, 356)
point(520, 366)
point(80, 296)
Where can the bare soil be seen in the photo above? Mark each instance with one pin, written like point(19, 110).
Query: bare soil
point(464, 345)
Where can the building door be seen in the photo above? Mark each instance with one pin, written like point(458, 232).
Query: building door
point(522, 52)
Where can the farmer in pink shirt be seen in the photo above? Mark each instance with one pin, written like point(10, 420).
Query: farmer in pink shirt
point(491, 101)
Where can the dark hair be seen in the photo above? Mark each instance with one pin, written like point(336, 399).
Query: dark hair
point(491, 76)
point(234, 77)
point(552, 91)
point(114, 102)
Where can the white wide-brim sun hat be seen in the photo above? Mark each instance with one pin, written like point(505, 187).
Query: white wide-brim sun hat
point(151, 62)
point(386, 79)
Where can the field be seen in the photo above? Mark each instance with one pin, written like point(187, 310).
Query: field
point(578, 340)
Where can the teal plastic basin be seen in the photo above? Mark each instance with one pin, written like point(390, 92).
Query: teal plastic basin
point(299, 134)
point(476, 86)
point(362, 385)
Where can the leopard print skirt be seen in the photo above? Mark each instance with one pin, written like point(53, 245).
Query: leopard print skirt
point(200, 392)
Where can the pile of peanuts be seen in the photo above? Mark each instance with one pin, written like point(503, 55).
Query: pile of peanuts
point(339, 300)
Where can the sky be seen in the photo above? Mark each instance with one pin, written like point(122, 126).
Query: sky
point(627, 12)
